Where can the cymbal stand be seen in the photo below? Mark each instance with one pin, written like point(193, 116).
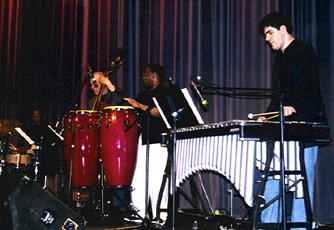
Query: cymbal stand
point(72, 156)
point(38, 160)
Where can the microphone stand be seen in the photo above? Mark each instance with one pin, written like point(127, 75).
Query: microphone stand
point(233, 92)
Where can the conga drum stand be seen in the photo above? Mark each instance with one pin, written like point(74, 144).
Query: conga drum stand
point(104, 214)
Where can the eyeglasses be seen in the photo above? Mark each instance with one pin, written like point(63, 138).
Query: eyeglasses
point(147, 74)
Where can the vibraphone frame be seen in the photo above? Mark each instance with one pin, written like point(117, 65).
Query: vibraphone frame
point(300, 132)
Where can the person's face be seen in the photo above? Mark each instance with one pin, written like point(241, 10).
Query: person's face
point(37, 117)
point(148, 78)
point(275, 37)
point(95, 89)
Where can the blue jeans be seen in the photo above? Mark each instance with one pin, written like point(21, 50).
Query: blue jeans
point(270, 214)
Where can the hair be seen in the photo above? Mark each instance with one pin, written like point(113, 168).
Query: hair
point(40, 111)
point(159, 70)
point(276, 20)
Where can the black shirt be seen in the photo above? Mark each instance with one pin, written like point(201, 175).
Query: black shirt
point(157, 125)
point(111, 98)
point(295, 74)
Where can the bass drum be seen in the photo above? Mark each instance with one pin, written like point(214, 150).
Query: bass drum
point(118, 148)
point(86, 151)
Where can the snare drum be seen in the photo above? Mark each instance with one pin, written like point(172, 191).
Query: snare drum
point(118, 148)
point(85, 149)
point(19, 159)
point(17, 163)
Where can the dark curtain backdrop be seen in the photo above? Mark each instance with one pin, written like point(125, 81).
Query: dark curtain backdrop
point(46, 44)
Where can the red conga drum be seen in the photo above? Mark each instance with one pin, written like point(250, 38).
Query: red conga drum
point(118, 148)
point(86, 150)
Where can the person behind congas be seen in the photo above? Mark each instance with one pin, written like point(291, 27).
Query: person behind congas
point(111, 95)
point(153, 78)
point(47, 152)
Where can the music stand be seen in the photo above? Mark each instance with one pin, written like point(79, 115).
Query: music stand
point(181, 112)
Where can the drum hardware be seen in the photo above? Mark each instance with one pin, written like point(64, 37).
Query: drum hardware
point(80, 128)
point(70, 127)
point(126, 122)
point(108, 122)
point(71, 158)
point(40, 179)
point(2, 163)
point(17, 163)
point(90, 126)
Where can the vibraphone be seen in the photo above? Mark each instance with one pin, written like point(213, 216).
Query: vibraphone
point(235, 148)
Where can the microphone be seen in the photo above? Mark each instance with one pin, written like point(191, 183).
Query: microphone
point(91, 75)
point(204, 102)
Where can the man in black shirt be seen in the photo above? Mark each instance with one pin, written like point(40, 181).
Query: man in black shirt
point(153, 78)
point(296, 82)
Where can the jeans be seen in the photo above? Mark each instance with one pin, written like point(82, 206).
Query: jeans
point(270, 214)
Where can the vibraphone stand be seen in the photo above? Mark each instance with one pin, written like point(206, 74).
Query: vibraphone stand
point(172, 149)
point(259, 199)
point(193, 201)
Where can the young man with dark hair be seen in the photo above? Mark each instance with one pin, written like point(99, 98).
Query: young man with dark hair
point(295, 81)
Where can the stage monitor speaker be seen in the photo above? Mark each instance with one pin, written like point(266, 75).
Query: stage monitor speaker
point(29, 206)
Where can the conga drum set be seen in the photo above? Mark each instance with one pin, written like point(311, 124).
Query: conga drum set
point(94, 137)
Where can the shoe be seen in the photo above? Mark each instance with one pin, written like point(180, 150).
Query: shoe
point(133, 220)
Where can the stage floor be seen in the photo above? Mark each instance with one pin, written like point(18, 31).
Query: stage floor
point(186, 220)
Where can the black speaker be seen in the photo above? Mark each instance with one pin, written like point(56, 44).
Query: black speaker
point(26, 205)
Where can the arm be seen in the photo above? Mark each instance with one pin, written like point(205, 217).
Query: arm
point(105, 81)
point(154, 111)
point(288, 110)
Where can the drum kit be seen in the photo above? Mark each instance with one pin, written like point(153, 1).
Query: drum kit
point(13, 160)
point(97, 144)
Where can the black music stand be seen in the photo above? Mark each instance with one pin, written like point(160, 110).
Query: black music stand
point(183, 115)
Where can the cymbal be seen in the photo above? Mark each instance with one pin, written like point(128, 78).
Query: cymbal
point(7, 125)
